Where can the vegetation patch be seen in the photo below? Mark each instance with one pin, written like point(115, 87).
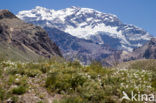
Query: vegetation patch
point(73, 82)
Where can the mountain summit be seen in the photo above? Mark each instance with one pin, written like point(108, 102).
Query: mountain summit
point(6, 14)
point(90, 24)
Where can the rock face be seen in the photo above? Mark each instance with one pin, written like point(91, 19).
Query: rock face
point(84, 50)
point(148, 51)
point(6, 14)
point(25, 37)
point(151, 50)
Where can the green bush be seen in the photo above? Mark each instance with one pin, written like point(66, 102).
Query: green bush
point(76, 81)
point(2, 94)
point(14, 99)
point(19, 90)
point(144, 65)
point(154, 81)
point(32, 73)
point(68, 82)
point(0, 71)
point(11, 79)
point(25, 71)
point(96, 67)
point(75, 64)
point(40, 102)
point(45, 68)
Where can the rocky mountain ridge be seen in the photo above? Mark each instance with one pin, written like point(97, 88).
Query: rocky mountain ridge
point(25, 37)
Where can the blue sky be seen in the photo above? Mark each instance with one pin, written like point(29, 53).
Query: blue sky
point(141, 13)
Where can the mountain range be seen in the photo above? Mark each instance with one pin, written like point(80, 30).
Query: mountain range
point(27, 41)
point(89, 24)
point(87, 34)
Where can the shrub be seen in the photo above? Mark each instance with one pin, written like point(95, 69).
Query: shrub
point(75, 64)
point(57, 82)
point(40, 102)
point(19, 90)
point(2, 94)
point(14, 99)
point(64, 81)
point(3, 57)
point(77, 80)
point(32, 72)
point(96, 65)
point(0, 71)
point(144, 64)
point(11, 79)
point(154, 81)
point(25, 71)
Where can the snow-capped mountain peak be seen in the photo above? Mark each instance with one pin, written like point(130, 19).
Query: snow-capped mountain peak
point(89, 24)
point(42, 13)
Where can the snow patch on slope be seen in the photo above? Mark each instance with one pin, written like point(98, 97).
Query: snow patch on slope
point(88, 31)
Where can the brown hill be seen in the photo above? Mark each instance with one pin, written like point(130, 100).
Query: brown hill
point(23, 39)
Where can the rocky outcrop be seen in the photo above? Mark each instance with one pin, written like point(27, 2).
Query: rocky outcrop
point(26, 37)
point(148, 51)
point(6, 14)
